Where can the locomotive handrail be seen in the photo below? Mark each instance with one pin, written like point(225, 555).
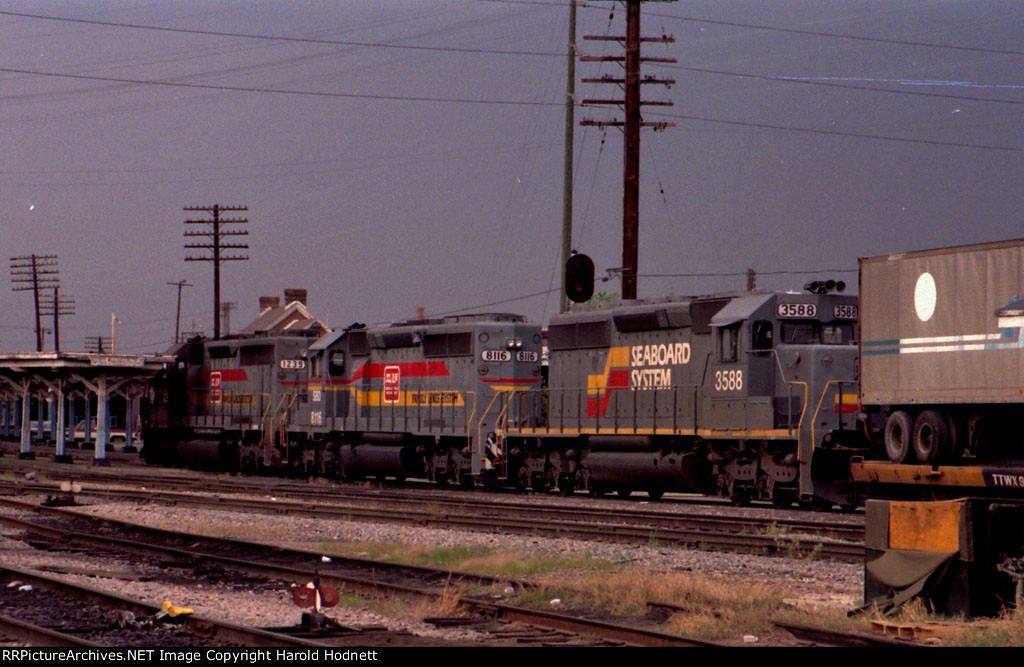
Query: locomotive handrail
point(469, 420)
point(558, 422)
point(283, 426)
point(497, 421)
point(803, 408)
point(821, 400)
point(790, 383)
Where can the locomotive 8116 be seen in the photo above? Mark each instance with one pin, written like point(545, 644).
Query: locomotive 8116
point(749, 395)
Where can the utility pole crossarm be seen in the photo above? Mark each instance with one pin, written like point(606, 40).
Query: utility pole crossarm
point(34, 273)
point(631, 123)
point(216, 246)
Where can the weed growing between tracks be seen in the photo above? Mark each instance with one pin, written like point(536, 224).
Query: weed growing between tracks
point(1007, 630)
point(790, 543)
point(478, 559)
point(702, 608)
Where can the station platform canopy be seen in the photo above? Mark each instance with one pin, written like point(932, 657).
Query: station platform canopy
point(55, 377)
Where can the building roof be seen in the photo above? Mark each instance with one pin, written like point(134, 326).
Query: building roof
point(291, 317)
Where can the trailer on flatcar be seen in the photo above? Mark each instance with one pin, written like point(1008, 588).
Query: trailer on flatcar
point(942, 360)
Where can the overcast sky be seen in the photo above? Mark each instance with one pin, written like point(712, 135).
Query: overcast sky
point(382, 177)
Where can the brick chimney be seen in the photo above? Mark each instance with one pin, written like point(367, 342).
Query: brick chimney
point(268, 302)
point(294, 294)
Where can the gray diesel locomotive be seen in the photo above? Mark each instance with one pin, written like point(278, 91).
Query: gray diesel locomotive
point(413, 399)
point(749, 395)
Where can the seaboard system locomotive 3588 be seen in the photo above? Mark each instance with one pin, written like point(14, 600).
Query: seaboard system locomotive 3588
point(748, 395)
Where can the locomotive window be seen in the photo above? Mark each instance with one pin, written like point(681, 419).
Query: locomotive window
point(728, 343)
point(702, 311)
point(837, 334)
point(448, 345)
point(357, 344)
point(762, 335)
point(562, 336)
point(642, 321)
point(256, 355)
point(799, 334)
point(195, 354)
point(809, 334)
point(460, 344)
point(221, 351)
point(337, 363)
point(433, 346)
point(402, 339)
point(594, 334)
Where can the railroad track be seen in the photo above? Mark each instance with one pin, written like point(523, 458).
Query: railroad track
point(351, 574)
point(140, 472)
point(820, 636)
point(737, 533)
point(50, 612)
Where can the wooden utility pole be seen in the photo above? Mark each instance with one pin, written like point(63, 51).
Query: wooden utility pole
point(34, 272)
point(177, 317)
point(98, 344)
point(57, 305)
point(631, 123)
point(570, 123)
point(216, 245)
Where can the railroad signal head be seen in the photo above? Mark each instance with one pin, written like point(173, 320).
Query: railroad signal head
point(579, 278)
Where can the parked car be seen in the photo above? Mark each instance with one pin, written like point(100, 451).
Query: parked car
point(118, 436)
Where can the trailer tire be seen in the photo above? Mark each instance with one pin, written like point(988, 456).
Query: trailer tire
point(931, 437)
point(899, 433)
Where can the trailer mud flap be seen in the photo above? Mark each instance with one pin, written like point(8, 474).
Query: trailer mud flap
point(961, 556)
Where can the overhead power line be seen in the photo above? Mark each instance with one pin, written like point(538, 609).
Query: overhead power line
point(837, 35)
point(276, 91)
point(855, 135)
point(794, 31)
point(496, 303)
point(848, 86)
point(279, 38)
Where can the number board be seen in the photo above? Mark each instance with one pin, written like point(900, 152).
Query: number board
point(844, 311)
point(804, 310)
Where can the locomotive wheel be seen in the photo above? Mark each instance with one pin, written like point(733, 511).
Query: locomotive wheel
point(655, 494)
point(523, 478)
point(740, 497)
point(931, 437)
point(624, 493)
point(899, 432)
point(783, 499)
point(581, 480)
